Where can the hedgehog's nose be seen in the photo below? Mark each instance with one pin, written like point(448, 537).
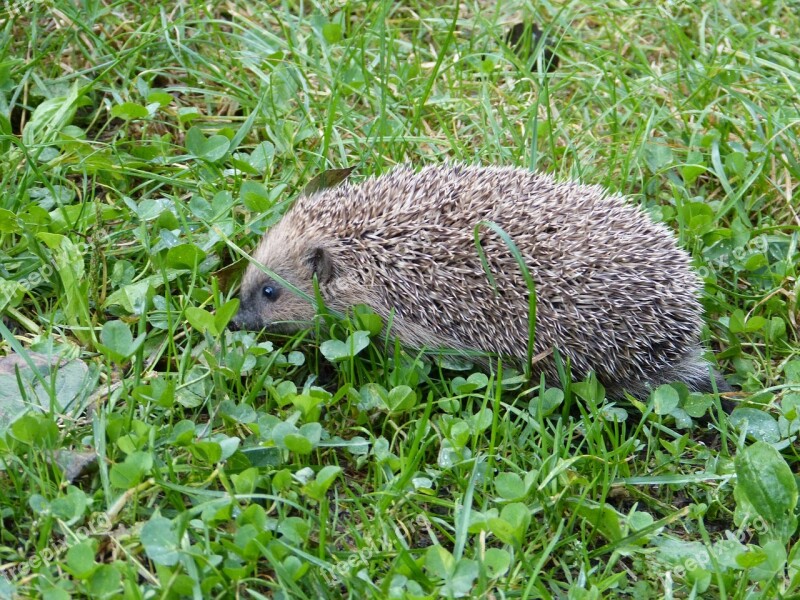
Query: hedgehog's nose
point(244, 320)
point(238, 322)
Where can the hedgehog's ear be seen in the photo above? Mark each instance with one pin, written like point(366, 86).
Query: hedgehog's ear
point(320, 262)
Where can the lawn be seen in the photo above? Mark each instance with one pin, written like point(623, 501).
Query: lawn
point(146, 450)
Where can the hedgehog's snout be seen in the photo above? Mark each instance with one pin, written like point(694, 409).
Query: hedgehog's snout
point(245, 319)
point(236, 323)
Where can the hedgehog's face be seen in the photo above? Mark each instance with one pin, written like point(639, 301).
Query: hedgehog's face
point(267, 302)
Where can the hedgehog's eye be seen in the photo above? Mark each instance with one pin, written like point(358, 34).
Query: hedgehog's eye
point(270, 292)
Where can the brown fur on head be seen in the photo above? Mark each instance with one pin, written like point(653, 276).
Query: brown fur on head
point(265, 300)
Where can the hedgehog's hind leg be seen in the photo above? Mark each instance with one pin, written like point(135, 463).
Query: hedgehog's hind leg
point(703, 384)
point(697, 374)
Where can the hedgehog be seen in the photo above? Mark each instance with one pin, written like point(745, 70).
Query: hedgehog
point(614, 293)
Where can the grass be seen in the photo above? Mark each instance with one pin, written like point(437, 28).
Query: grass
point(147, 451)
